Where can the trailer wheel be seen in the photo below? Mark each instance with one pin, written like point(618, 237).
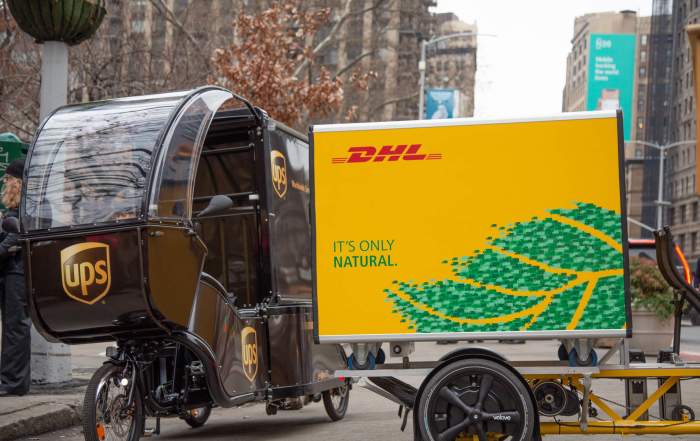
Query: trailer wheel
point(336, 402)
point(477, 398)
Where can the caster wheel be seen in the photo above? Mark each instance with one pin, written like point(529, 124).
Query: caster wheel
point(592, 412)
point(574, 359)
point(381, 357)
point(271, 409)
point(562, 353)
point(370, 363)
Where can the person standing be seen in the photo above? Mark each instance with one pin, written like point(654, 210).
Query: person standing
point(16, 348)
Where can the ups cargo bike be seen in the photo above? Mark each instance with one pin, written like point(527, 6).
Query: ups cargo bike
point(471, 229)
point(186, 227)
point(177, 225)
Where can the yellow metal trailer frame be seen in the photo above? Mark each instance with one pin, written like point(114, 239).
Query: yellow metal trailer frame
point(615, 423)
point(609, 421)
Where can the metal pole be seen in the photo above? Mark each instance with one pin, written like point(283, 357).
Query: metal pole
point(51, 361)
point(421, 68)
point(659, 206)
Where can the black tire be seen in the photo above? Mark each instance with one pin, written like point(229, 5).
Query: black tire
point(99, 410)
point(477, 397)
point(336, 402)
point(679, 411)
point(197, 417)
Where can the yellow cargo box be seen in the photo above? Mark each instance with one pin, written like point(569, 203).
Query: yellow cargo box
point(470, 228)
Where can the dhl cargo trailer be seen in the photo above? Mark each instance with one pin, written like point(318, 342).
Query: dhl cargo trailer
point(470, 229)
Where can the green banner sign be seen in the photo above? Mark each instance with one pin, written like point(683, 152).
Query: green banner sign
point(11, 148)
point(611, 75)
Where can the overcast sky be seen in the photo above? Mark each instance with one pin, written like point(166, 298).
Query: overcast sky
point(521, 70)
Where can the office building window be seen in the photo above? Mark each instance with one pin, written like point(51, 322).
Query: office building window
point(693, 240)
point(681, 241)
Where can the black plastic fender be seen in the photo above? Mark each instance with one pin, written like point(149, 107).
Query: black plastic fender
point(474, 352)
point(211, 370)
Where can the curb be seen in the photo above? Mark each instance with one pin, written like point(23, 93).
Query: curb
point(41, 418)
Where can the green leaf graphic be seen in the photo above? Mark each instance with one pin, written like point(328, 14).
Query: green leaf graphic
point(563, 271)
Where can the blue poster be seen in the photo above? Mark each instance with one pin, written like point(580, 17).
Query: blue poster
point(611, 75)
point(440, 103)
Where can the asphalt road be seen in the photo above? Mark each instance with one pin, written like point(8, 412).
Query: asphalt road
point(369, 416)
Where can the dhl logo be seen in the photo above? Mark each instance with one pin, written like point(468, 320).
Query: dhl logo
point(403, 152)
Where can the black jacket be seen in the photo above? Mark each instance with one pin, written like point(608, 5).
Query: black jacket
point(11, 261)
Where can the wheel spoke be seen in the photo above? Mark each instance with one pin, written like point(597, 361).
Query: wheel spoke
point(451, 397)
point(484, 389)
point(480, 432)
point(511, 416)
point(450, 434)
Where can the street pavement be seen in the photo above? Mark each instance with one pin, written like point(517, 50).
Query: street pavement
point(369, 416)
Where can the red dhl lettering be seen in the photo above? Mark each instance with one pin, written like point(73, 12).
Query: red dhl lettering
point(399, 152)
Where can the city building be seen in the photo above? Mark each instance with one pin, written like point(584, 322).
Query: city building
point(384, 38)
point(379, 37)
point(607, 45)
point(147, 46)
point(657, 119)
point(451, 64)
point(683, 214)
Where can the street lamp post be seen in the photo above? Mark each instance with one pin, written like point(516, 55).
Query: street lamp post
point(421, 65)
point(662, 153)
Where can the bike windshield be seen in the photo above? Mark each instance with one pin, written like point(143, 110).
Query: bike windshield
point(90, 163)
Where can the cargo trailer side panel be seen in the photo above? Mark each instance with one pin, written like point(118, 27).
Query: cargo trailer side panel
point(470, 228)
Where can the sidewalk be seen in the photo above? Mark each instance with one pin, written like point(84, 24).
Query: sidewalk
point(51, 407)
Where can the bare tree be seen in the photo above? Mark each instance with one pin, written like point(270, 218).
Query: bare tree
point(19, 78)
point(273, 51)
point(151, 46)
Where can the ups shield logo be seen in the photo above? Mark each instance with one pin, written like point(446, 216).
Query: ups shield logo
point(85, 271)
point(279, 173)
point(249, 346)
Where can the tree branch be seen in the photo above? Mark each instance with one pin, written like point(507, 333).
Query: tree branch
point(354, 61)
point(394, 101)
point(170, 16)
point(347, 13)
point(10, 123)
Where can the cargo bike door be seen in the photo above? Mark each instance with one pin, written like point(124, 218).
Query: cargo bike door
point(228, 338)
